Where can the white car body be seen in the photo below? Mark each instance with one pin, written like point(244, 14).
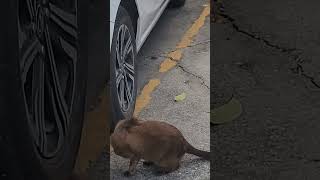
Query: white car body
point(149, 13)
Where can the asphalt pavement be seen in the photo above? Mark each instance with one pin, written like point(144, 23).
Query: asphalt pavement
point(266, 54)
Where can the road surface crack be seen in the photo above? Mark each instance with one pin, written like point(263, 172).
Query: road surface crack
point(255, 36)
point(194, 75)
point(298, 69)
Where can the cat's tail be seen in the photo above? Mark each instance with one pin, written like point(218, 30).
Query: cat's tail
point(192, 150)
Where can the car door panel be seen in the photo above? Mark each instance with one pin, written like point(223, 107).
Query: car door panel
point(114, 4)
point(149, 12)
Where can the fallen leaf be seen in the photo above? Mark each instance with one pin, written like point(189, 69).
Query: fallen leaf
point(180, 97)
point(226, 113)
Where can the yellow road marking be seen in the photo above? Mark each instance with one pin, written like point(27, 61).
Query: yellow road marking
point(186, 41)
point(145, 95)
point(175, 55)
point(194, 29)
point(166, 65)
point(171, 60)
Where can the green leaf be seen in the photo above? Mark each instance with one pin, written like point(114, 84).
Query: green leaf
point(226, 113)
point(180, 97)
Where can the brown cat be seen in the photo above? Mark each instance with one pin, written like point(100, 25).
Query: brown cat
point(156, 142)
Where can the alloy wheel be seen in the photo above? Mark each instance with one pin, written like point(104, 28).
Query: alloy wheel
point(48, 59)
point(125, 71)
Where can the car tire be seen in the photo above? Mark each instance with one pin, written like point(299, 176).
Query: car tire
point(176, 3)
point(50, 88)
point(123, 69)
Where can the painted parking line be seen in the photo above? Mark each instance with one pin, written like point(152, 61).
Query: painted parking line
point(171, 61)
point(145, 96)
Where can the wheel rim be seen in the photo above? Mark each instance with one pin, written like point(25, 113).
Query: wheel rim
point(48, 58)
point(125, 59)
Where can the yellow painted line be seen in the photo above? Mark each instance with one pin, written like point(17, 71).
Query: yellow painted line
point(194, 29)
point(145, 96)
point(166, 65)
point(186, 41)
point(171, 60)
point(177, 54)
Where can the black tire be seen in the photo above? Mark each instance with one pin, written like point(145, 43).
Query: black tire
point(124, 111)
point(50, 88)
point(176, 3)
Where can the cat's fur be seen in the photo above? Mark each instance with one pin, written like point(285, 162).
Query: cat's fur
point(155, 142)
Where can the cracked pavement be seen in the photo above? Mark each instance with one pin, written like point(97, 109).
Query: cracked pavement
point(291, 28)
point(266, 54)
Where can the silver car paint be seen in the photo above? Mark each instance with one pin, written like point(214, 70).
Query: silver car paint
point(114, 4)
point(149, 13)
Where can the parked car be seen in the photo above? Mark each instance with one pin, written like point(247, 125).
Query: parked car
point(52, 69)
